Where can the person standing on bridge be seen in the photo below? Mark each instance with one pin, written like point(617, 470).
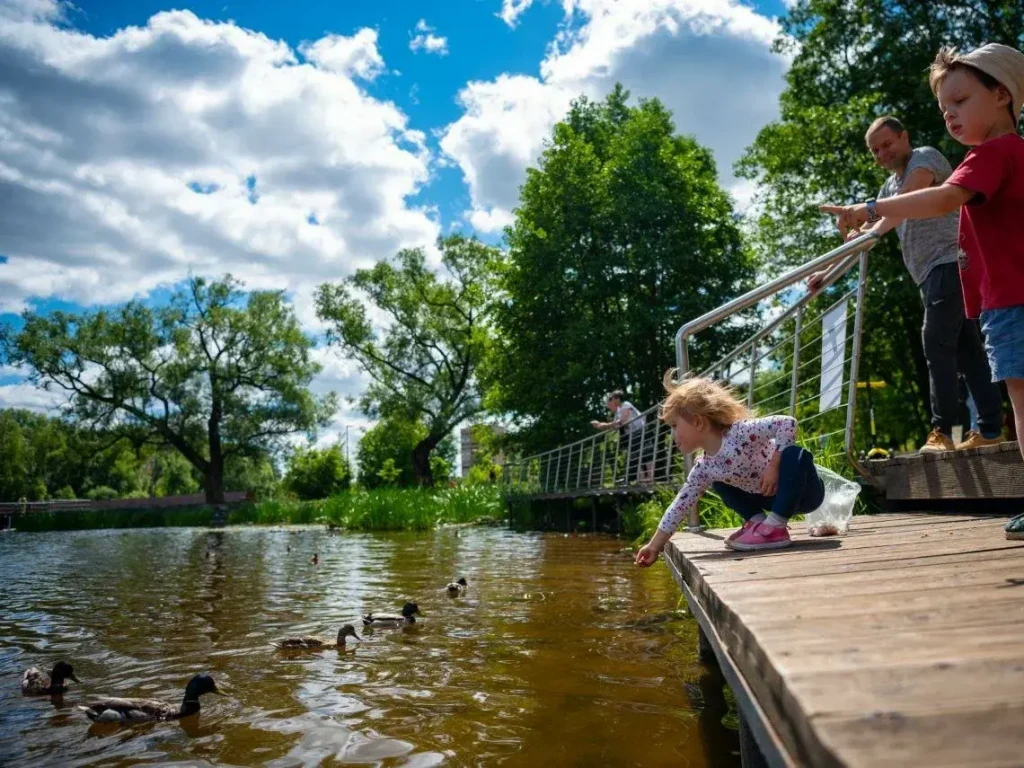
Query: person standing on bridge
point(631, 426)
point(980, 94)
point(951, 341)
point(752, 464)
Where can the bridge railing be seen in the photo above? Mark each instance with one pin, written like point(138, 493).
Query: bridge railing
point(799, 355)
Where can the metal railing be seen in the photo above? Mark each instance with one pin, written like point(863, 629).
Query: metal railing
point(776, 367)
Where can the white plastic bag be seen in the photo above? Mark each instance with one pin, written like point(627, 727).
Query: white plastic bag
point(832, 518)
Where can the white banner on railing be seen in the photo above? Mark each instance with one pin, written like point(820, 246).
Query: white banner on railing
point(833, 358)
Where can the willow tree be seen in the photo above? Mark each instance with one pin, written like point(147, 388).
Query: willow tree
point(215, 373)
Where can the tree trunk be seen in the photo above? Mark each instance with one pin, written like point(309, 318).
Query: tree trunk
point(215, 475)
point(421, 461)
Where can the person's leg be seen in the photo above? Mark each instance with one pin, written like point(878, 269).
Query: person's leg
point(1015, 388)
point(745, 504)
point(974, 366)
point(800, 489)
point(943, 319)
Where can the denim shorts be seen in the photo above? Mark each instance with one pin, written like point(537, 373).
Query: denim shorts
point(1004, 341)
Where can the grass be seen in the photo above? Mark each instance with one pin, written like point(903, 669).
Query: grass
point(386, 509)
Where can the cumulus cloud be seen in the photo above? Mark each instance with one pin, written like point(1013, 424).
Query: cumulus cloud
point(709, 61)
point(355, 56)
point(511, 10)
point(425, 40)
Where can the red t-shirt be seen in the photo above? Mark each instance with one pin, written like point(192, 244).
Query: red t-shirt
point(992, 224)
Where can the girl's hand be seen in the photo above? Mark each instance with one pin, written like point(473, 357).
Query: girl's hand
point(849, 218)
point(770, 478)
point(814, 281)
point(596, 424)
point(647, 556)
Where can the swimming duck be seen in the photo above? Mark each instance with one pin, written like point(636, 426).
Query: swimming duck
point(35, 683)
point(391, 620)
point(457, 587)
point(309, 642)
point(115, 710)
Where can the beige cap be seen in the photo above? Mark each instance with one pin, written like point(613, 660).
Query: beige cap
point(1005, 64)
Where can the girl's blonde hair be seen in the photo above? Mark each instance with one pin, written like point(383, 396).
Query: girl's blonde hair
point(701, 397)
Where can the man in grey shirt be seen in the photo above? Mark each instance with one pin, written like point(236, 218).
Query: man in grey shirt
point(952, 343)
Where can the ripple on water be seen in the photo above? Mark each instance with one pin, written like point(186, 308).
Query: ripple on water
point(561, 652)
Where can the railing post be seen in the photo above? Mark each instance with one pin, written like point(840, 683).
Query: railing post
point(579, 469)
point(858, 326)
point(604, 455)
point(796, 362)
point(558, 469)
point(753, 369)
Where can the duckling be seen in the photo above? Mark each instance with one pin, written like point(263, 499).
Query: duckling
point(316, 558)
point(115, 710)
point(35, 683)
point(311, 643)
point(391, 620)
point(457, 588)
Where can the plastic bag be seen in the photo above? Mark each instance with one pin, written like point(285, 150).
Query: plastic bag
point(832, 518)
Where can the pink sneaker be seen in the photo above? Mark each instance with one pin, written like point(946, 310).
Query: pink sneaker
point(739, 532)
point(762, 536)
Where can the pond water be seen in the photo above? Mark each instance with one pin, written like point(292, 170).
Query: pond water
point(560, 653)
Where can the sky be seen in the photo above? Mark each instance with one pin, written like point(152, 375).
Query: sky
point(291, 143)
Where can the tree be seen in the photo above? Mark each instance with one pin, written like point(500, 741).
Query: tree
point(317, 474)
point(390, 440)
point(423, 362)
point(622, 234)
point(854, 60)
point(215, 374)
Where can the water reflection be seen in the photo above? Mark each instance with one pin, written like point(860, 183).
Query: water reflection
point(559, 653)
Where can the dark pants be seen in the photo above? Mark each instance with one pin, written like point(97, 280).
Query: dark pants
point(953, 343)
point(800, 490)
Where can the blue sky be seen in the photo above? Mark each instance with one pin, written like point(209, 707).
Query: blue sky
point(291, 143)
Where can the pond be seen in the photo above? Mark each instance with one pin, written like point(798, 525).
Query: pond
point(561, 652)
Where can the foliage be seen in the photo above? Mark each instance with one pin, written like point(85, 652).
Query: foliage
point(101, 493)
point(213, 373)
point(423, 362)
point(854, 60)
point(388, 440)
point(622, 234)
point(317, 473)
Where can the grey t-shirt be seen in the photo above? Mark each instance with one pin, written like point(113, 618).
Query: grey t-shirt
point(926, 243)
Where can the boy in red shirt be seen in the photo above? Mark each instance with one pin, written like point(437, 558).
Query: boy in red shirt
point(980, 94)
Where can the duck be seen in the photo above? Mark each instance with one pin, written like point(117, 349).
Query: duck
point(35, 683)
point(391, 620)
point(115, 710)
point(457, 587)
point(311, 643)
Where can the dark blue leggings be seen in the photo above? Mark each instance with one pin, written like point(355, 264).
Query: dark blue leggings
point(800, 490)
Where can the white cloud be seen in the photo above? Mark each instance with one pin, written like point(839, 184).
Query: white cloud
point(511, 10)
point(355, 56)
point(709, 61)
point(127, 161)
point(425, 40)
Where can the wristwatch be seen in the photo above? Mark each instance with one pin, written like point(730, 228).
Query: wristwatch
point(872, 210)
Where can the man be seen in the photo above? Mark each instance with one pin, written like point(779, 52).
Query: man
point(952, 343)
point(631, 427)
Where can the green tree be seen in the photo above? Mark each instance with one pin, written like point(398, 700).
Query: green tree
point(213, 374)
point(389, 440)
point(317, 473)
point(423, 363)
point(14, 473)
point(621, 235)
point(854, 60)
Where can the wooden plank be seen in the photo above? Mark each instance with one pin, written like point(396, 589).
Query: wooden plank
point(960, 475)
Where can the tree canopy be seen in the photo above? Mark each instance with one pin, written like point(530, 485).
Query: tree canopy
point(621, 235)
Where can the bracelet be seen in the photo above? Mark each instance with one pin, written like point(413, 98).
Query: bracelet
point(872, 211)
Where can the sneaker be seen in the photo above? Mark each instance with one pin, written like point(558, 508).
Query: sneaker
point(1015, 527)
point(739, 532)
point(938, 442)
point(762, 536)
point(977, 440)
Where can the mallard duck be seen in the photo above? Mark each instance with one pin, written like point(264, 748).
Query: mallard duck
point(309, 642)
point(114, 710)
point(390, 619)
point(457, 587)
point(35, 683)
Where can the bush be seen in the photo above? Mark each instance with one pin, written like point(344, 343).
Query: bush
point(101, 493)
point(65, 493)
point(317, 474)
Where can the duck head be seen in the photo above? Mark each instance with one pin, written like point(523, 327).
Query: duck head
point(199, 685)
point(62, 671)
point(347, 631)
point(409, 609)
point(462, 581)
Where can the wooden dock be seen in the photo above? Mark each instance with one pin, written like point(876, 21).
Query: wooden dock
point(899, 644)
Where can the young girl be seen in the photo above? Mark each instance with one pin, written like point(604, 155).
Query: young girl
point(752, 464)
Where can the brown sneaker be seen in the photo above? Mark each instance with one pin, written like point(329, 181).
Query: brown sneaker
point(937, 442)
point(976, 440)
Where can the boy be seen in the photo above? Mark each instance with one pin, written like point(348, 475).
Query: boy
point(980, 95)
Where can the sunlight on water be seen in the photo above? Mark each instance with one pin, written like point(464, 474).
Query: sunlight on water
point(560, 653)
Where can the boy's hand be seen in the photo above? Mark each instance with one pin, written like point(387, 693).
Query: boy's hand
point(647, 555)
point(848, 217)
point(770, 478)
point(596, 424)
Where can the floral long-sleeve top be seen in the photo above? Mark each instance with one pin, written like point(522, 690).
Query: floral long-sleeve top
point(747, 448)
